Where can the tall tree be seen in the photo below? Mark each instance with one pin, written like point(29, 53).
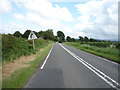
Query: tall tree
point(49, 34)
point(61, 36)
point(81, 38)
point(86, 39)
point(17, 34)
point(68, 38)
point(26, 34)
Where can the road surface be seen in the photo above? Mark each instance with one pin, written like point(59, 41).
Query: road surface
point(67, 67)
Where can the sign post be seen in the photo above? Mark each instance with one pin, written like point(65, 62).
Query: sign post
point(32, 36)
point(33, 44)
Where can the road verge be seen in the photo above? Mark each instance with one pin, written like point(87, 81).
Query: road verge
point(21, 75)
point(102, 52)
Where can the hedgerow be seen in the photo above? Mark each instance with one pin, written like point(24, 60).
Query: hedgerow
point(13, 47)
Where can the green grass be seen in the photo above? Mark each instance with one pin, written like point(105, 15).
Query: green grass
point(20, 77)
point(109, 53)
point(13, 47)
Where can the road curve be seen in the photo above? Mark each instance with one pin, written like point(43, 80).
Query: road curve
point(67, 67)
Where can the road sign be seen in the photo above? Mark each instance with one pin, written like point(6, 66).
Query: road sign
point(32, 36)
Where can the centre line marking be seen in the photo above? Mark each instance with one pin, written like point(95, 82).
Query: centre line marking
point(103, 76)
point(46, 58)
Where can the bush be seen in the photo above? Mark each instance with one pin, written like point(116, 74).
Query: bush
point(118, 45)
point(98, 44)
point(14, 47)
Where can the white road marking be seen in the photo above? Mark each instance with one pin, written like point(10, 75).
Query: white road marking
point(46, 58)
point(103, 76)
point(100, 57)
point(107, 60)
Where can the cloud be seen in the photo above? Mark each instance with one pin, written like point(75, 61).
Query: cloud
point(42, 13)
point(45, 10)
point(18, 16)
point(37, 20)
point(95, 18)
point(98, 19)
point(12, 27)
point(5, 6)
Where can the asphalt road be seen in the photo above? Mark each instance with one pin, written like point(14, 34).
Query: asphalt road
point(67, 67)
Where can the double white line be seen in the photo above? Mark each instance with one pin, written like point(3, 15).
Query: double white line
point(103, 76)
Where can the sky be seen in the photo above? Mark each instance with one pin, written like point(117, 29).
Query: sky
point(96, 19)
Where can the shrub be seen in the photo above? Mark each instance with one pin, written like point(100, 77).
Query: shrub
point(14, 47)
point(118, 45)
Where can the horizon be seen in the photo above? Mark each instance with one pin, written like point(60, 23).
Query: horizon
point(70, 36)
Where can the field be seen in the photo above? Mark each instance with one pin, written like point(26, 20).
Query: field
point(107, 51)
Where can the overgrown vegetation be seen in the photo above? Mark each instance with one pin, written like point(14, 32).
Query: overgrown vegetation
point(16, 45)
point(103, 49)
point(20, 77)
point(13, 47)
point(111, 44)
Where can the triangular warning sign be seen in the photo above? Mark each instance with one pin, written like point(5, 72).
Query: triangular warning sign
point(32, 36)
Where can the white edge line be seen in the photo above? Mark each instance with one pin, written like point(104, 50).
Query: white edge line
point(75, 56)
point(105, 59)
point(46, 58)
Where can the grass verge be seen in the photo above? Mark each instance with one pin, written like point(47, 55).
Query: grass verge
point(108, 53)
point(20, 77)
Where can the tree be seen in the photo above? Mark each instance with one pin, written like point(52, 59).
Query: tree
point(40, 34)
point(61, 36)
point(17, 34)
point(26, 34)
point(68, 38)
point(92, 40)
point(55, 38)
point(86, 39)
point(81, 38)
point(49, 34)
point(73, 39)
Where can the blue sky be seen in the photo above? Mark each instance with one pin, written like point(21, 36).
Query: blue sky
point(92, 18)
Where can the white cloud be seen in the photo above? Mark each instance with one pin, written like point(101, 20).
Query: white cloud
point(5, 6)
point(18, 16)
point(12, 27)
point(36, 19)
point(42, 13)
point(98, 19)
point(45, 9)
